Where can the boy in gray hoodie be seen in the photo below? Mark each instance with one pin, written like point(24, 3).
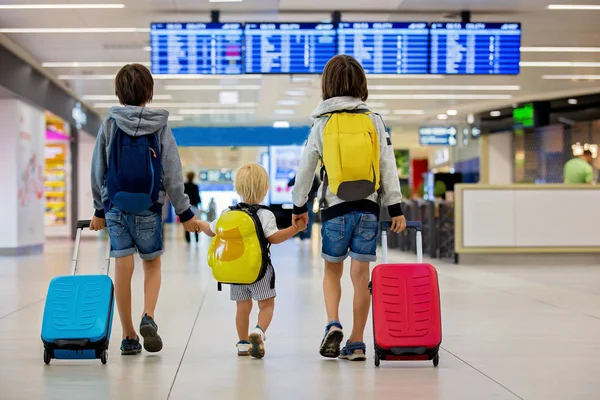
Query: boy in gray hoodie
point(349, 227)
point(141, 231)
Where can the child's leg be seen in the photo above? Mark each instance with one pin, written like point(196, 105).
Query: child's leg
point(123, 272)
point(265, 315)
point(359, 272)
point(332, 289)
point(152, 281)
point(242, 318)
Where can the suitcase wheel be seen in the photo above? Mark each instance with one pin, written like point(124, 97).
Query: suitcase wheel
point(377, 360)
point(47, 357)
point(104, 357)
point(436, 359)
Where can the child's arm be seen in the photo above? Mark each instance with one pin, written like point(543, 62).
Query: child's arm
point(286, 234)
point(204, 226)
point(97, 180)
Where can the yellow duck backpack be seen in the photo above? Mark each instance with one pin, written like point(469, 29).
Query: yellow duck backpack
point(350, 155)
point(239, 254)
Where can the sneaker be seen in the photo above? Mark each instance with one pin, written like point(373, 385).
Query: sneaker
point(243, 348)
point(356, 351)
point(330, 345)
point(130, 347)
point(149, 331)
point(257, 343)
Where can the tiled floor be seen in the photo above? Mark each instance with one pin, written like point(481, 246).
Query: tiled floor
point(509, 332)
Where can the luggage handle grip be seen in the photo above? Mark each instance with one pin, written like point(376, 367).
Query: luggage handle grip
point(416, 225)
point(72, 342)
point(83, 223)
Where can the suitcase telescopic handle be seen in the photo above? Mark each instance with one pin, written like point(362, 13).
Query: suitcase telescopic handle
point(81, 225)
point(416, 225)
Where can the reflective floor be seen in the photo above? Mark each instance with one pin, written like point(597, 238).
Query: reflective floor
point(509, 333)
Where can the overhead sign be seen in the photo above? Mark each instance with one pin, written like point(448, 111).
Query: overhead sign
point(437, 135)
point(524, 116)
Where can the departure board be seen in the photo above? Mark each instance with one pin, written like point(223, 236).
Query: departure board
point(475, 48)
point(196, 48)
point(288, 48)
point(386, 47)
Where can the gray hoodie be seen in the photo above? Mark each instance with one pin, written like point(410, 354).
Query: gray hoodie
point(390, 184)
point(136, 121)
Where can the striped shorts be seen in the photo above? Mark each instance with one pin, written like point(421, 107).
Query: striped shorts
point(262, 289)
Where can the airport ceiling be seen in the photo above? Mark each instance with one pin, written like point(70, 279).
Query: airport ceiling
point(559, 44)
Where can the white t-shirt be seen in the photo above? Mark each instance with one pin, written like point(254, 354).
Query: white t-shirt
point(267, 220)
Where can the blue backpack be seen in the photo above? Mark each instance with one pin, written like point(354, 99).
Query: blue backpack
point(134, 172)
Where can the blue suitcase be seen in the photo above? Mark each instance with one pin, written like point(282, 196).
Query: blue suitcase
point(78, 313)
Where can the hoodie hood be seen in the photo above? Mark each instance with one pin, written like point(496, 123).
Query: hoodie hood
point(138, 121)
point(339, 104)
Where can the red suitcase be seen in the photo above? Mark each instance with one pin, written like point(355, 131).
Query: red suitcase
point(407, 323)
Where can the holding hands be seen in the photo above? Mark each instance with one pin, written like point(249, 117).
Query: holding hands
point(300, 222)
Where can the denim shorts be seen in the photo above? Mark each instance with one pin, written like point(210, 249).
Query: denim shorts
point(134, 232)
point(353, 234)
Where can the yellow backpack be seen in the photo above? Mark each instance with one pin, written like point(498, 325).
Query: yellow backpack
point(350, 155)
point(239, 253)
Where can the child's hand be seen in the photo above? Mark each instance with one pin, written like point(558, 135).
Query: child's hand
point(301, 225)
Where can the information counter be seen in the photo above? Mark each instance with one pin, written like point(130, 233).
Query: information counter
point(527, 218)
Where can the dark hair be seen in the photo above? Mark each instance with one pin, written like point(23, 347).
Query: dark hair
point(134, 85)
point(191, 175)
point(587, 153)
point(344, 76)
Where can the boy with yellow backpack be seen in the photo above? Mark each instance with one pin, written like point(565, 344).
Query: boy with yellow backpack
point(359, 173)
point(239, 255)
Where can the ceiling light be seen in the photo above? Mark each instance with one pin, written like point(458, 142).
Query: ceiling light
point(111, 97)
point(77, 64)
point(559, 64)
point(377, 105)
point(301, 79)
point(176, 117)
point(58, 6)
point(191, 111)
point(180, 105)
point(400, 76)
point(284, 112)
point(295, 93)
point(495, 113)
point(572, 101)
point(85, 77)
point(147, 48)
point(211, 87)
point(229, 97)
point(281, 124)
point(288, 102)
point(452, 112)
point(393, 118)
point(574, 7)
point(225, 1)
point(573, 77)
point(408, 112)
point(444, 87)
point(74, 30)
point(560, 49)
point(442, 116)
point(165, 77)
point(441, 96)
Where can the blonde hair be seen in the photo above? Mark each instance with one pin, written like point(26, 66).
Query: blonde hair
point(252, 183)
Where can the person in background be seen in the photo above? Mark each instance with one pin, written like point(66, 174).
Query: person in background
point(211, 213)
point(349, 227)
point(193, 192)
point(140, 232)
point(578, 170)
point(303, 235)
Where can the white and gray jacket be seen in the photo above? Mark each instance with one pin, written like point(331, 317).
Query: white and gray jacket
point(389, 194)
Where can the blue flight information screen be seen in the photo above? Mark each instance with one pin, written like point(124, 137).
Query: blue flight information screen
point(386, 47)
point(288, 48)
point(196, 48)
point(475, 48)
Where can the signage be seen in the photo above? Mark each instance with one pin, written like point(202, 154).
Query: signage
point(524, 116)
point(437, 135)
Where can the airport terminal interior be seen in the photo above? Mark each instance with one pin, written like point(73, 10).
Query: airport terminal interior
point(489, 110)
